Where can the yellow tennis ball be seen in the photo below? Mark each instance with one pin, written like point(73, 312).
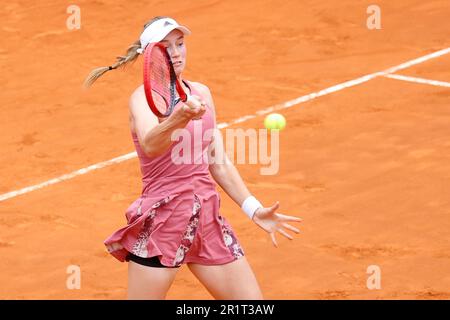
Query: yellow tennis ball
point(275, 121)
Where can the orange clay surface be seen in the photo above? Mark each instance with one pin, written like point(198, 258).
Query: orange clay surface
point(367, 167)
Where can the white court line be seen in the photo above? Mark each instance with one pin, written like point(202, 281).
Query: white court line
point(284, 105)
point(68, 176)
point(419, 80)
point(337, 87)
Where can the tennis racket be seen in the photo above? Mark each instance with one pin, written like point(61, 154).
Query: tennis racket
point(162, 88)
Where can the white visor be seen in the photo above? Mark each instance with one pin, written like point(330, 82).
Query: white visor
point(158, 30)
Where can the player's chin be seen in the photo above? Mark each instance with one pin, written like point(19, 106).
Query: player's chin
point(178, 69)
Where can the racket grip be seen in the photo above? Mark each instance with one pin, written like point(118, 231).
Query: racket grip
point(191, 102)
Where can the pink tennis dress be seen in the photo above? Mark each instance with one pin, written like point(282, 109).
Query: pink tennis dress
point(177, 215)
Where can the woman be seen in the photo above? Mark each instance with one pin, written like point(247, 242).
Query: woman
point(176, 219)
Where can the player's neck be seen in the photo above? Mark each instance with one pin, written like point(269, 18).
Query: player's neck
point(183, 84)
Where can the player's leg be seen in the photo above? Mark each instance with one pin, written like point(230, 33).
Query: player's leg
point(231, 281)
point(150, 283)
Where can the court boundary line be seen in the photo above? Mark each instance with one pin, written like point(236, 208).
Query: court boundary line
point(285, 105)
point(418, 80)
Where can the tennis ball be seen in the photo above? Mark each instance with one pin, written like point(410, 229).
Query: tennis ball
point(275, 121)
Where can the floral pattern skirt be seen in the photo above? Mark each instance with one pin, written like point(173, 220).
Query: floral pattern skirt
point(180, 228)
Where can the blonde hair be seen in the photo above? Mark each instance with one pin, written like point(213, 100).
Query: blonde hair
point(130, 56)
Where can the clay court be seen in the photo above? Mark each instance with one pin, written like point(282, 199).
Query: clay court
point(366, 165)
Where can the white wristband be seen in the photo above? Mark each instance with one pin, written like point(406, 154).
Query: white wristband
point(250, 205)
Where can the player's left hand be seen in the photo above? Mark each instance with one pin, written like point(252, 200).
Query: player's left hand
point(273, 222)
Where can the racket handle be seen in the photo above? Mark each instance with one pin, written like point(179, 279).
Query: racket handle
point(191, 102)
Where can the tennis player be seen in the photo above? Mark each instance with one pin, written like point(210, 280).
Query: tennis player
point(176, 220)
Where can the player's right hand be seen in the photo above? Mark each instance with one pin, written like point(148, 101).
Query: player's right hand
point(193, 108)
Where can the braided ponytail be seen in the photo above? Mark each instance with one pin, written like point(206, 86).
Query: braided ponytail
point(130, 56)
point(121, 61)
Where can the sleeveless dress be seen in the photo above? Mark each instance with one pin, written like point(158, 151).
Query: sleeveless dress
point(177, 215)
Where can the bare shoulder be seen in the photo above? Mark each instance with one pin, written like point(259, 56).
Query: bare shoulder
point(206, 93)
point(140, 116)
point(202, 88)
point(137, 96)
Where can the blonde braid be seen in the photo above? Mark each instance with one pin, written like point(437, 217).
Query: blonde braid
point(121, 61)
point(131, 55)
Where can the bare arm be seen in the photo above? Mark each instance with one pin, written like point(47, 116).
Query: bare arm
point(155, 136)
point(229, 179)
point(224, 172)
point(227, 176)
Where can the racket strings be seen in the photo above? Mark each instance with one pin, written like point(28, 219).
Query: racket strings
point(162, 80)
